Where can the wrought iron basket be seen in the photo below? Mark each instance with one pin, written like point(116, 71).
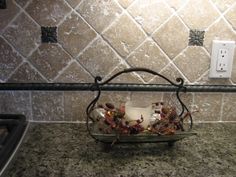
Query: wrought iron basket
point(121, 132)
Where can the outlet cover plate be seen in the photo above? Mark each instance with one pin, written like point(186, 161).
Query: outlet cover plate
point(221, 59)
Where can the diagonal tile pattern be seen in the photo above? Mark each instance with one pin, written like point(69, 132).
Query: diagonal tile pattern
point(125, 3)
point(231, 16)
point(99, 13)
point(49, 59)
point(106, 36)
point(74, 34)
point(218, 31)
point(51, 11)
point(223, 4)
point(122, 38)
point(8, 14)
point(23, 34)
point(22, 3)
point(175, 4)
point(170, 72)
point(193, 17)
point(25, 73)
point(172, 37)
point(124, 78)
point(150, 14)
point(194, 61)
point(9, 60)
point(75, 74)
point(150, 56)
point(99, 58)
point(74, 3)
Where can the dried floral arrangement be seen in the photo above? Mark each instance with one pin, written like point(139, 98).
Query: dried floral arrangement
point(164, 120)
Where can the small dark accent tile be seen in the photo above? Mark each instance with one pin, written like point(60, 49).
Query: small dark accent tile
point(3, 4)
point(196, 37)
point(49, 34)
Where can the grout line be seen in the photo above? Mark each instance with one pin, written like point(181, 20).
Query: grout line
point(33, 50)
point(62, 70)
point(65, 17)
point(31, 108)
point(13, 72)
point(88, 46)
point(13, 19)
point(27, 4)
point(63, 104)
point(222, 107)
point(221, 15)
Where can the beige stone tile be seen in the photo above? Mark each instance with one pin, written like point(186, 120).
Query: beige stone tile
point(150, 14)
point(74, 34)
point(231, 16)
point(205, 80)
point(9, 60)
point(172, 44)
point(49, 59)
point(229, 104)
point(74, 3)
point(223, 4)
point(170, 98)
point(6, 15)
point(209, 106)
point(233, 75)
point(148, 55)
point(25, 73)
point(195, 11)
point(47, 106)
point(125, 3)
point(193, 62)
point(218, 31)
point(115, 97)
point(99, 58)
point(75, 73)
point(171, 73)
point(125, 77)
point(175, 4)
point(76, 104)
point(124, 35)
point(23, 34)
point(15, 103)
point(51, 11)
point(22, 3)
point(99, 14)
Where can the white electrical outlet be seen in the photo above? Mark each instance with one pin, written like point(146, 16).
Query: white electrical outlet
point(222, 59)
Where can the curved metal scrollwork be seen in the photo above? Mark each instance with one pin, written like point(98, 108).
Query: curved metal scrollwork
point(98, 83)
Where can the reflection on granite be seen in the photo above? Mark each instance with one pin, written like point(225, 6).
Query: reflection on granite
point(66, 150)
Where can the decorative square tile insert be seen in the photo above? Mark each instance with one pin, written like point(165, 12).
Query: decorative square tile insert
point(3, 4)
point(49, 34)
point(196, 37)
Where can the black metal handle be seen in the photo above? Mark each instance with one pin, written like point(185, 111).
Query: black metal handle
point(98, 83)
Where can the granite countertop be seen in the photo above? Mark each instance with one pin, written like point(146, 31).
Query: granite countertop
point(66, 150)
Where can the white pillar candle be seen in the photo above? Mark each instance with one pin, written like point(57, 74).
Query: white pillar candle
point(134, 110)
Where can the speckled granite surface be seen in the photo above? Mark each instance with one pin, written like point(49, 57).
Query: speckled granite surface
point(65, 150)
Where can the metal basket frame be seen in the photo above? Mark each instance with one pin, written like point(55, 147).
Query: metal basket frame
point(98, 83)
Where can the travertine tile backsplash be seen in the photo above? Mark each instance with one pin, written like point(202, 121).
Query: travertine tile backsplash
point(76, 40)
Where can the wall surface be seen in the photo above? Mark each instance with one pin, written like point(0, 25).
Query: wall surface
point(76, 40)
